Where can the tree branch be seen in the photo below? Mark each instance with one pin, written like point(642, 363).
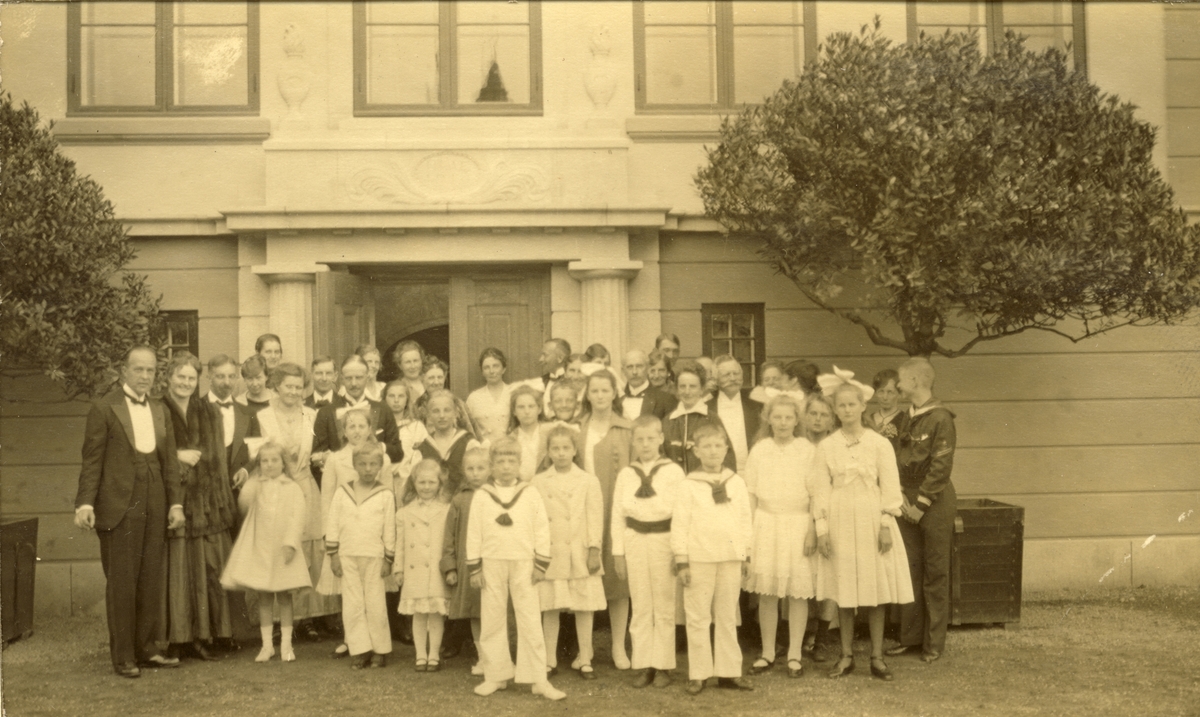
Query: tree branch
point(873, 331)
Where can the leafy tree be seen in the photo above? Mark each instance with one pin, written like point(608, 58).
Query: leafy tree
point(969, 197)
point(67, 308)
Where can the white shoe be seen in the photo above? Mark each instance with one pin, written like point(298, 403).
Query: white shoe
point(621, 660)
point(286, 654)
point(483, 689)
point(265, 654)
point(477, 669)
point(547, 690)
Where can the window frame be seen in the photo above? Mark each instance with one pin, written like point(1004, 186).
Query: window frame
point(758, 311)
point(162, 331)
point(164, 65)
point(993, 26)
point(447, 71)
point(726, 90)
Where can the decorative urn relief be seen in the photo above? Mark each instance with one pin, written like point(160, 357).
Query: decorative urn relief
point(449, 178)
point(295, 79)
point(600, 80)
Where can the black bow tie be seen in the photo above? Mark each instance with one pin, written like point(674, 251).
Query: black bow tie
point(224, 404)
point(144, 401)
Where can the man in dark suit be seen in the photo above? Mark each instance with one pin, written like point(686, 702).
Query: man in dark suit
point(238, 421)
point(640, 398)
point(129, 492)
point(327, 433)
point(737, 411)
point(324, 379)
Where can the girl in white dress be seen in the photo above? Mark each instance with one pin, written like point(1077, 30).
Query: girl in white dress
point(575, 507)
point(267, 558)
point(782, 477)
point(863, 561)
point(400, 398)
point(525, 426)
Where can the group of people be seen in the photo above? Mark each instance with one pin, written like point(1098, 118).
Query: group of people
point(664, 493)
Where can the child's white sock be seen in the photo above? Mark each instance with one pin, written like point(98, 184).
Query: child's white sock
point(268, 649)
point(285, 645)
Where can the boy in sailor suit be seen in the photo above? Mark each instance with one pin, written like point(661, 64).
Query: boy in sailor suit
point(641, 544)
point(508, 551)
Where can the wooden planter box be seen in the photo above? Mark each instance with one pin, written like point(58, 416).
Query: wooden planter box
point(985, 564)
point(18, 556)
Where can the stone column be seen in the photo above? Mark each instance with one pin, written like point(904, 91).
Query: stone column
point(291, 307)
point(604, 300)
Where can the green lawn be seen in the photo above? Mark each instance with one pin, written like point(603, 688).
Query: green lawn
point(1130, 652)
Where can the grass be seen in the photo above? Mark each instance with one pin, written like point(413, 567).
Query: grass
point(1076, 653)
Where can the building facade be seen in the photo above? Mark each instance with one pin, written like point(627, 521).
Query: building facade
point(484, 173)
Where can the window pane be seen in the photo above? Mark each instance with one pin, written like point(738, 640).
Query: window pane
point(210, 13)
point(402, 65)
point(399, 13)
point(743, 326)
point(493, 64)
point(743, 350)
point(763, 56)
point(210, 66)
point(179, 334)
point(769, 13)
point(681, 65)
point(720, 347)
point(950, 13)
point(118, 13)
point(117, 66)
point(666, 12)
point(1037, 13)
point(749, 375)
point(720, 326)
point(492, 13)
point(1040, 38)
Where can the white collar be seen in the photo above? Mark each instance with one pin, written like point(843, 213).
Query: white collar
point(352, 401)
point(638, 392)
point(722, 398)
point(327, 396)
point(129, 394)
point(701, 408)
point(212, 398)
point(931, 404)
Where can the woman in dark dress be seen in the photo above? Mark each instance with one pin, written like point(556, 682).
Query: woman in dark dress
point(197, 607)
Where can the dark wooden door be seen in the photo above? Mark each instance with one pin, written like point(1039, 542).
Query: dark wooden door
point(507, 309)
point(343, 314)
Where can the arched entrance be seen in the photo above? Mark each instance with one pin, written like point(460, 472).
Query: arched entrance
point(435, 340)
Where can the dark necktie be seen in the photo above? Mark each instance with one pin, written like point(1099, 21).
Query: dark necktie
point(144, 401)
point(319, 404)
point(718, 492)
point(224, 404)
point(503, 518)
point(646, 489)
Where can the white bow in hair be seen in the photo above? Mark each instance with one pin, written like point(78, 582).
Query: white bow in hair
point(830, 381)
point(763, 394)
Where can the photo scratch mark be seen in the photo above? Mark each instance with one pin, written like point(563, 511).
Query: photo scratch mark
point(1185, 516)
point(1105, 575)
point(1148, 541)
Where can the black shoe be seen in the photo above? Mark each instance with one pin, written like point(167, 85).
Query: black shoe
point(228, 645)
point(360, 661)
point(931, 656)
point(796, 671)
point(127, 669)
point(307, 631)
point(159, 661)
point(899, 650)
point(378, 661)
point(757, 669)
point(843, 667)
point(880, 669)
point(587, 672)
point(449, 652)
point(200, 652)
point(645, 678)
point(695, 687)
point(734, 683)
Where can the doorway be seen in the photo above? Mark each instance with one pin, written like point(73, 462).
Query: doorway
point(454, 312)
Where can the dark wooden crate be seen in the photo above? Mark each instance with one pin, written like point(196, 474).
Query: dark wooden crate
point(18, 556)
point(985, 564)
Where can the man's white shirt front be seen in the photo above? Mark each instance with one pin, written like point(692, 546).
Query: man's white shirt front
point(731, 414)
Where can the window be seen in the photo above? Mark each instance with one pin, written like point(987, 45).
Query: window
point(178, 331)
point(1044, 24)
point(148, 57)
point(735, 329)
point(423, 57)
point(718, 55)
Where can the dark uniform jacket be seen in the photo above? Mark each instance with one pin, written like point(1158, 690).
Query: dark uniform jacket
point(926, 453)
